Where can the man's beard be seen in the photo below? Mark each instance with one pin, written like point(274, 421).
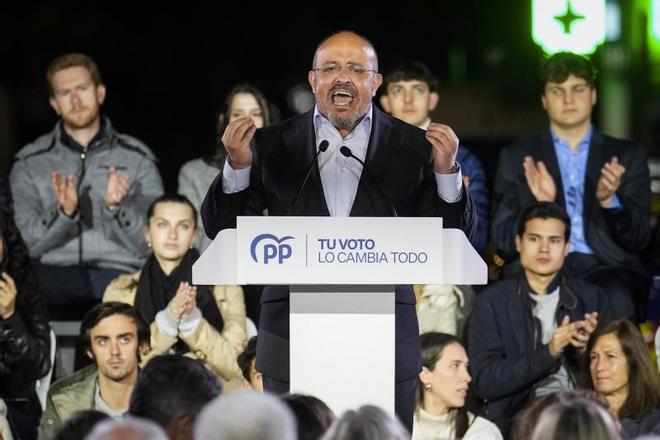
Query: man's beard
point(89, 117)
point(348, 122)
point(342, 121)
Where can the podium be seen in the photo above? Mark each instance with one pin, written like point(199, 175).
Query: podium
point(341, 272)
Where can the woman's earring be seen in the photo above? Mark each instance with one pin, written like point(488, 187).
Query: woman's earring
point(427, 386)
point(149, 244)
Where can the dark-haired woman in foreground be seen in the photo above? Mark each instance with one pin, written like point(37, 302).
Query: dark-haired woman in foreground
point(442, 388)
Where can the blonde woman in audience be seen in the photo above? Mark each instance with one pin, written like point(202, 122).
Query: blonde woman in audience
point(203, 322)
point(196, 176)
point(442, 388)
point(620, 370)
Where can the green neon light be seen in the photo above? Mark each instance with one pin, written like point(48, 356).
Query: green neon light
point(568, 25)
point(655, 19)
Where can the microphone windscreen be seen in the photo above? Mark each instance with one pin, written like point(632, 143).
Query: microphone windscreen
point(345, 151)
point(323, 145)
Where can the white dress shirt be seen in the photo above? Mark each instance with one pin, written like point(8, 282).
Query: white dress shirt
point(340, 175)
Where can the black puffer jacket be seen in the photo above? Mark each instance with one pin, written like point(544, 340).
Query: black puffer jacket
point(25, 335)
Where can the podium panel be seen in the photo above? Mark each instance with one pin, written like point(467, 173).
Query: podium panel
point(341, 345)
point(342, 273)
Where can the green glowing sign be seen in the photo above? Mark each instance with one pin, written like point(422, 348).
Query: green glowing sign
point(568, 25)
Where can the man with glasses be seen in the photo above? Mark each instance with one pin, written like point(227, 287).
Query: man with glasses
point(417, 171)
point(80, 191)
point(602, 182)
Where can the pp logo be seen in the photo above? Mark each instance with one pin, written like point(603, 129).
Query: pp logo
point(273, 248)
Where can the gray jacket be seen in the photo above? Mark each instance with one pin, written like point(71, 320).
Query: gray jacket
point(195, 178)
point(94, 235)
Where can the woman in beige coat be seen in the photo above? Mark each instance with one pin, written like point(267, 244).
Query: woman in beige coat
point(203, 322)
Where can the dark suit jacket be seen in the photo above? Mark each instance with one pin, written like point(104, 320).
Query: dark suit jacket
point(400, 159)
point(616, 236)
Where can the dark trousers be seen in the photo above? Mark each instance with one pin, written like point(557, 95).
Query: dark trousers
point(72, 290)
point(404, 397)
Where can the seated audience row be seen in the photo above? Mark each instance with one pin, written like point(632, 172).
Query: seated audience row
point(206, 322)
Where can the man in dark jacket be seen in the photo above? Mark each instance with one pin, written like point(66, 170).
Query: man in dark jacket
point(602, 182)
point(526, 333)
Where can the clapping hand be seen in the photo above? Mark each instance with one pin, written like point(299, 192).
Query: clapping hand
point(7, 296)
point(183, 302)
point(117, 188)
point(65, 192)
point(609, 182)
point(539, 180)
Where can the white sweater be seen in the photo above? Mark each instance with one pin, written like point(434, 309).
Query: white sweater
point(427, 426)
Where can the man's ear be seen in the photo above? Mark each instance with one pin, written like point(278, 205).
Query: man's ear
point(543, 103)
point(311, 78)
point(54, 105)
point(90, 354)
point(385, 103)
point(594, 96)
point(100, 93)
point(518, 243)
point(377, 82)
point(433, 100)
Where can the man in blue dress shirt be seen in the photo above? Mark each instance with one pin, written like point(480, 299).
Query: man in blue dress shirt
point(602, 182)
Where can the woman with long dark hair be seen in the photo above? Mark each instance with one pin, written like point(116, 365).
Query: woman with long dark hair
point(195, 176)
point(442, 387)
point(24, 332)
point(620, 370)
point(203, 322)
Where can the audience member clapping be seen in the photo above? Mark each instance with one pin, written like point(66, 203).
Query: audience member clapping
point(246, 415)
point(620, 370)
point(171, 391)
point(207, 322)
point(313, 416)
point(24, 332)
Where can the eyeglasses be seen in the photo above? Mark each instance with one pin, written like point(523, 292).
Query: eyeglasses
point(354, 71)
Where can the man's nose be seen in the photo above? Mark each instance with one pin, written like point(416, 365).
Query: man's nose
point(568, 97)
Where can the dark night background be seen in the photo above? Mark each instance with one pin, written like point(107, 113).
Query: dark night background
point(167, 68)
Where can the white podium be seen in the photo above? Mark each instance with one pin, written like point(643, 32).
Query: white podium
point(342, 272)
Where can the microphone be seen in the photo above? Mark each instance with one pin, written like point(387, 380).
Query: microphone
point(348, 153)
point(322, 147)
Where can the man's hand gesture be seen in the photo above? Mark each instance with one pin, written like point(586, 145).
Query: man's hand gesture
point(539, 181)
point(116, 189)
point(236, 139)
point(66, 192)
point(445, 146)
point(609, 181)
